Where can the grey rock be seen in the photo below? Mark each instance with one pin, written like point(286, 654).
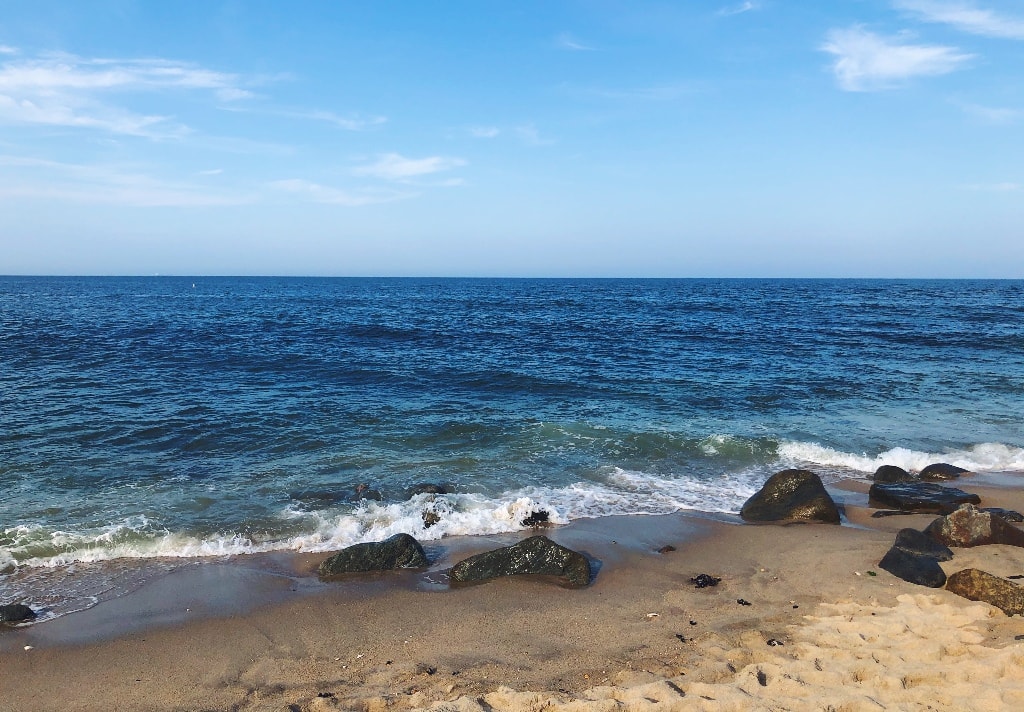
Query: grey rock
point(398, 552)
point(16, 613)
point(916, 543)
point(1007, 515)
point(892, 473)
point(921, 570)
point(791, 495)
point(977, 585)
point(536, 555)
point(941, 471)
point(427, 488)
point(919, 497)
point(968, 526)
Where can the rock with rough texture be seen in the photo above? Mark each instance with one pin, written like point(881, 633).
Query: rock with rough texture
point(919, 497)
point(16, 613)
point(1007, 515)
point(399, 552)
point(916, 543)
point(536, 555)
point(941, 471)
point(789, 495)
point(977, 585)
point(922, 570)
point(968, 526)
point(892, 473)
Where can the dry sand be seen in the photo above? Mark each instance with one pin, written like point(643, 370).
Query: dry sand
point(641, 637)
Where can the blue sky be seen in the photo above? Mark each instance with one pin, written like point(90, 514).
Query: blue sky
point(589, 138)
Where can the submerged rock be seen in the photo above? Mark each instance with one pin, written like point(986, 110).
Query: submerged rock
point(922, 570)
point(363, 491)
point(977, 585)
point(791, 495)
point(427, 488)
point(941, 471)
point(398, 552)
point(919, 497)
point(16, 613)
point(969, 526)
point(917, 543)
point(892, 473)
point(536, 555)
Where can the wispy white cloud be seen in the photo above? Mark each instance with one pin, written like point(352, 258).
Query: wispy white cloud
point(567, 41)
point(394, 166)
point(7, 49)
point(966, 16)
point(866, 61)
point(994, 114)
point(34, 178)
point(210, 172)
point(352, 122)
point(66, 90)
point(335, 196)
point(739, 9)
point(484, 131)
point(1007, 187)
point(529, 135)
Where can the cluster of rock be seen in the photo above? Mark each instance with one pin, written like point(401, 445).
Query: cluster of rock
point(536, 555)
point(915, 555)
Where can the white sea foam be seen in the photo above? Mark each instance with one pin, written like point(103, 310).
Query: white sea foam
point(986, 457)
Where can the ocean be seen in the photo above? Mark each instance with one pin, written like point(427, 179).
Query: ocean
point(148, 422)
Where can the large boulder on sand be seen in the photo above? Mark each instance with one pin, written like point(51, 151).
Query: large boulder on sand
point(536, 555)
point(977, 585)
point(16, 613)
point(892, 473)
point(941, 471)
point(922, 570)
point(918, 543)
point(919, 497)
point(968, 526)
point(398, 552)
point(789, 495)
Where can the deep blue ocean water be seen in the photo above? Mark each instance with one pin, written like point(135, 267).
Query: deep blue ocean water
point(145, 418)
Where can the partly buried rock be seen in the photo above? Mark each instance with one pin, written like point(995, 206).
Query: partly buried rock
point(916, 543)
point(16, 613)
point(977, 585)
point(536, 555)
point(941, 471)
point(922, 570)
point(968, 526)
point(1007, 515)
point(399, 552)
point(892, 473)
point(919, 497)
point(789, 495)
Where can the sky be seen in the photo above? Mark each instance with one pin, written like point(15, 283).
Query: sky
point(589, 138)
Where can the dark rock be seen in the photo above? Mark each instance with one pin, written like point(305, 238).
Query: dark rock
point(919, 497)
point(743, 602)
point(1007, 515)
point(888, 513)
point(788, 495)
point(704, 581)
point(536, 555)
point(363, 491)
point(977, 585)
point(922, 570)
point(941, 471)
point(915, 543)
point(891, 473)
point(399, 552)
point(16, 613)
point(430, 518)
point(427, 488)
point(968, 526)
point(536, 519)
point(668, 548)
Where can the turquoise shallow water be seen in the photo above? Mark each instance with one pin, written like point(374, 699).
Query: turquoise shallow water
point(181, 417)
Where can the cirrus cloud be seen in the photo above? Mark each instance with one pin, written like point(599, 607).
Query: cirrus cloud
point(966, 17)
point(394, 166)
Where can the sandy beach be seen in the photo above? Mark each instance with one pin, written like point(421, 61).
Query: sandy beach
point(822, 627)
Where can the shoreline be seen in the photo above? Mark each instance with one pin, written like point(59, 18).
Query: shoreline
point(262, 632)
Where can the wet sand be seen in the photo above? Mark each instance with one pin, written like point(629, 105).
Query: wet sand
point(262, 633)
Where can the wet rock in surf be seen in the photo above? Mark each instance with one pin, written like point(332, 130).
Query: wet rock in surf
point(791, 495)
point(363, 491)
point(941, 471)
point(427, 488)
point(917, 543)
point(969, 526)
point(399, 552)
point(16, 613)
point(919, 497)
point(536, 519)
point(430, 518)
point(892, 473)
point(536, 555)
point(978, 585)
